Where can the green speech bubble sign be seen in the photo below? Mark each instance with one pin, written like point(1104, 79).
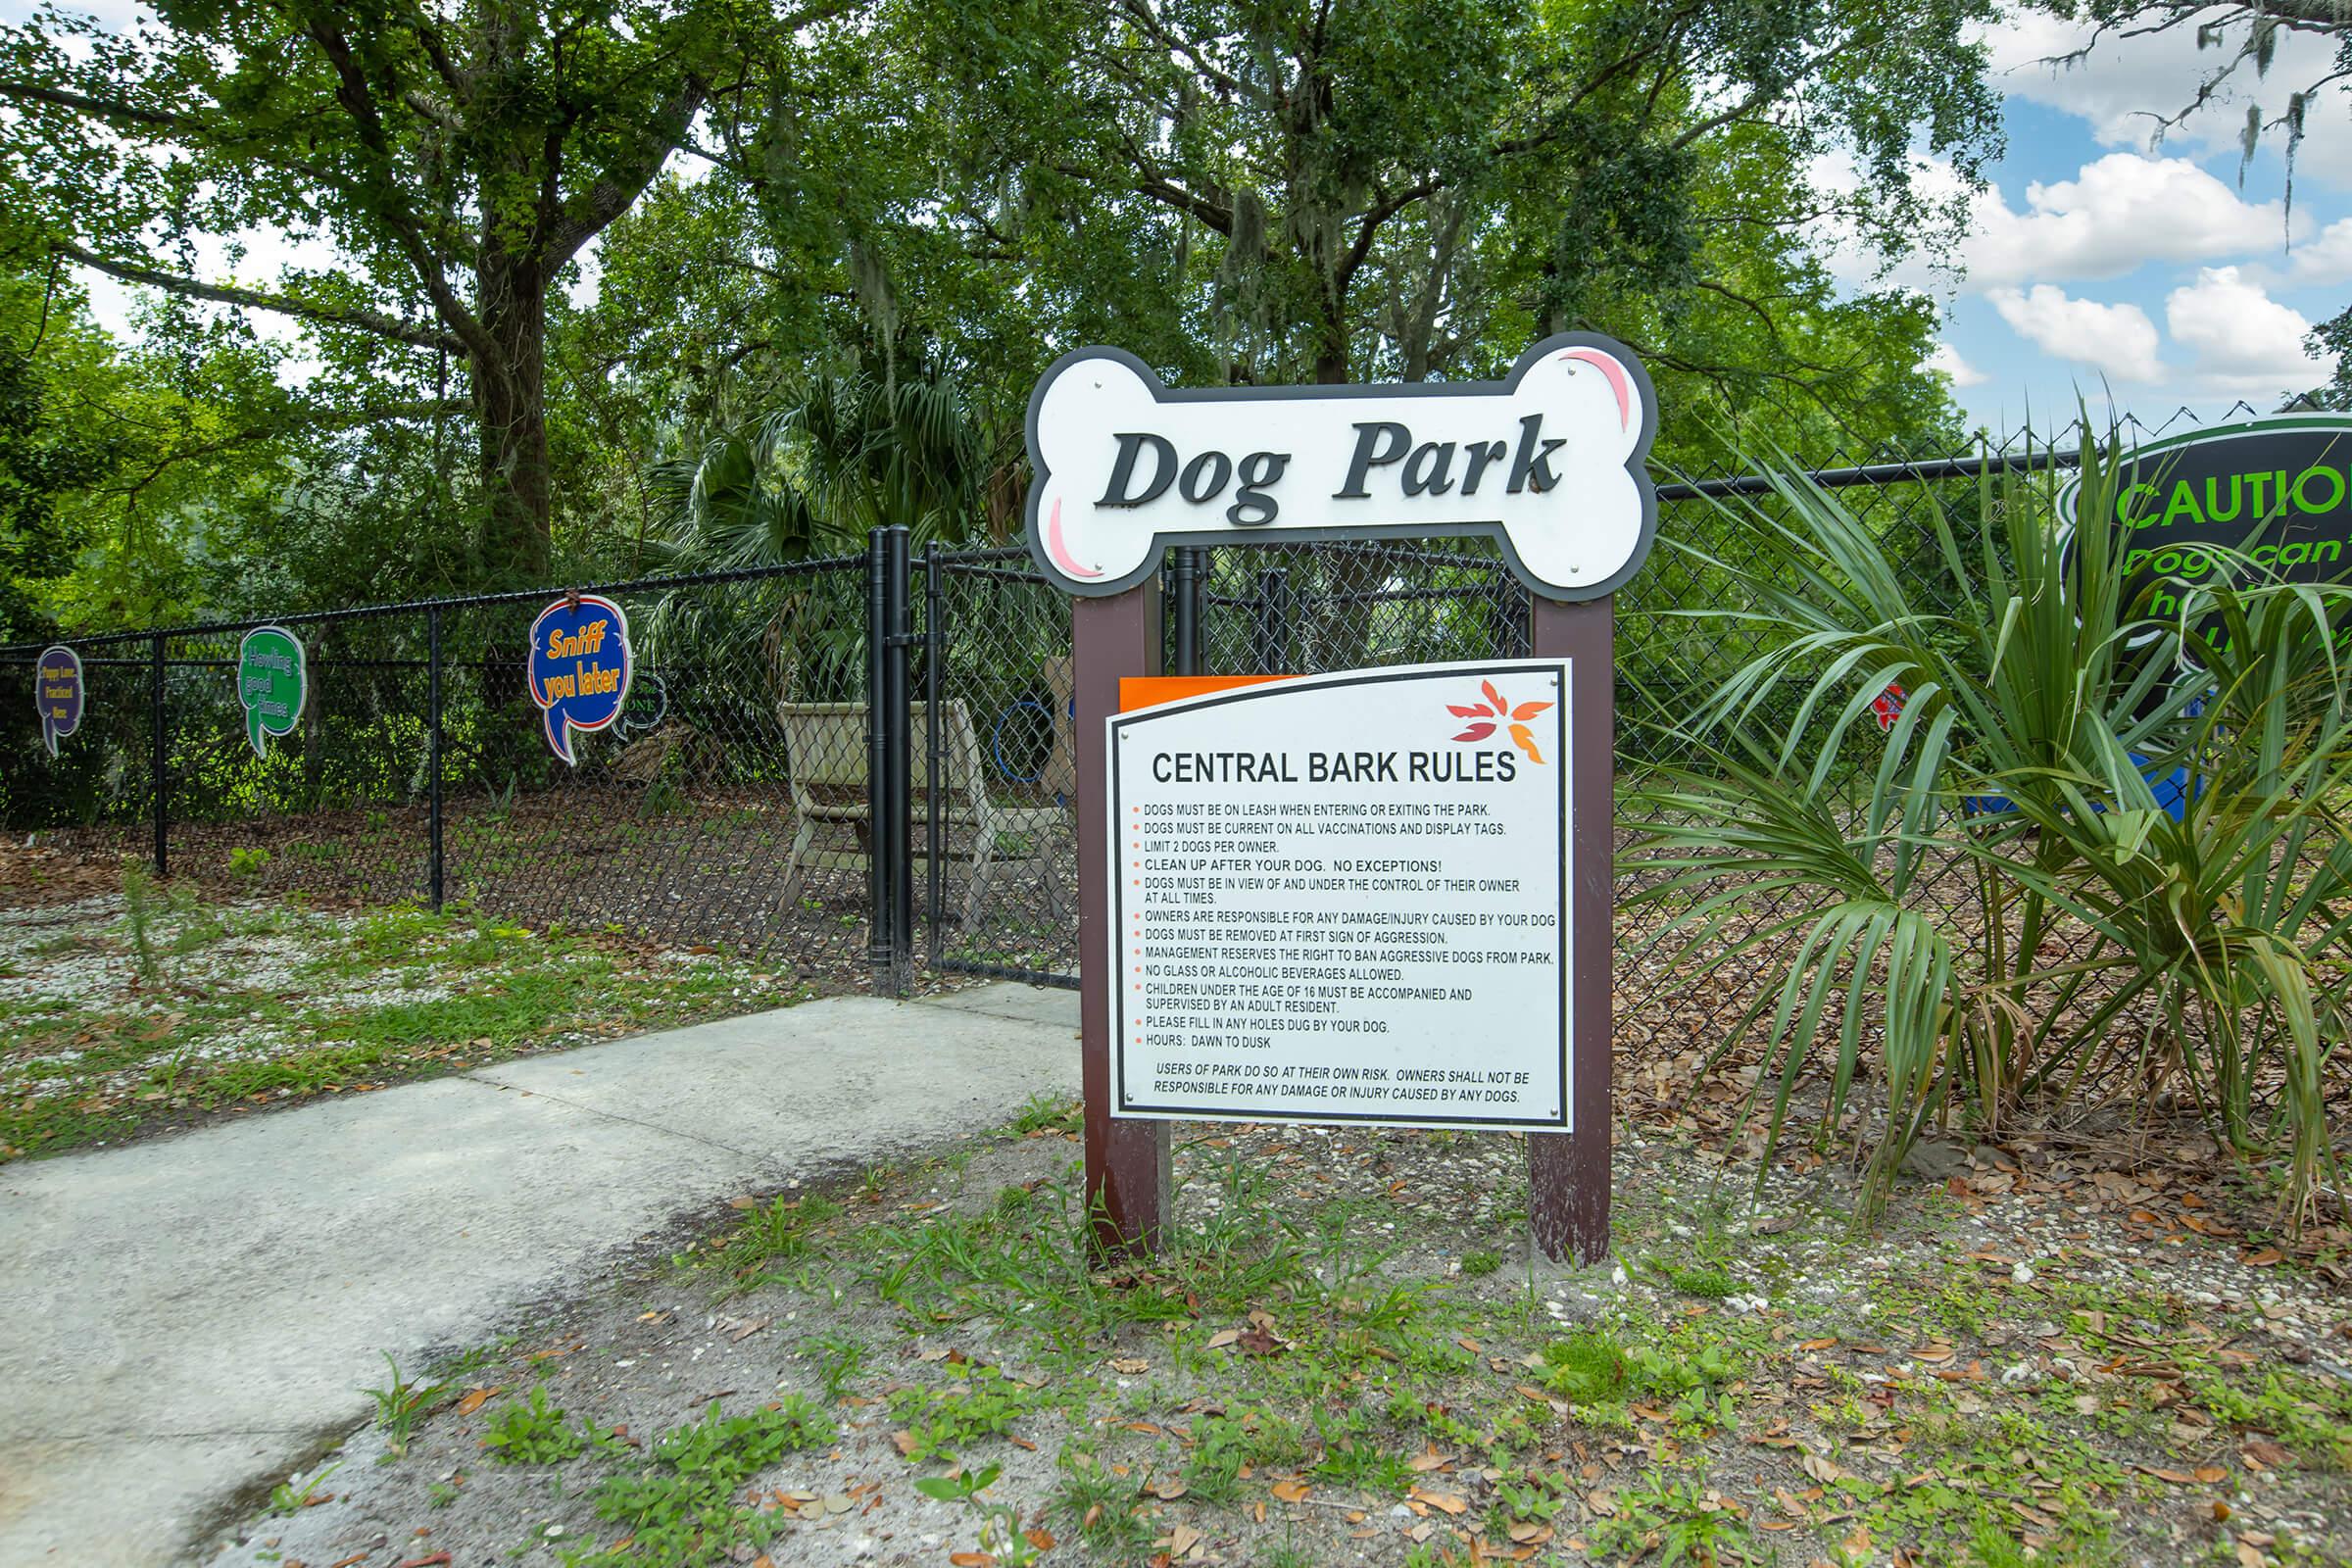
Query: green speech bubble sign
point(272, 677)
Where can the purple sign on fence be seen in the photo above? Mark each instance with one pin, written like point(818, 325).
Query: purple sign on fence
point(579, 668)
point(58, 694)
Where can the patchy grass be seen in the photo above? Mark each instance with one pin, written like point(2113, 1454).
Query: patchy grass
point(125, 1013)
point(1322, 1368)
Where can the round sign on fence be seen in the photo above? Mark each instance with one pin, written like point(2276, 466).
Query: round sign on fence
point(273, 679)
point(57, 693)
point(579, 667)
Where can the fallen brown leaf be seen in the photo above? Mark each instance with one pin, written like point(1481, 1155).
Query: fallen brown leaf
point(1826, 1471)
point(2179, 1478)
point(2264, 1454)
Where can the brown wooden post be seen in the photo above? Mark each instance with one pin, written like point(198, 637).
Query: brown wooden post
point(1126, 1158)
point(1568, 1174)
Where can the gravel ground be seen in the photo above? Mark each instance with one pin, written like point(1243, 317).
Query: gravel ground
point(2043, 1353)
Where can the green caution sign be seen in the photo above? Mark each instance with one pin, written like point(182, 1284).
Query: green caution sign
point(272, 677)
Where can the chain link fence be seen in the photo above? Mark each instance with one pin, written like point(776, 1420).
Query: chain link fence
point(999, 806)
point(734, 801)
point(723, 807)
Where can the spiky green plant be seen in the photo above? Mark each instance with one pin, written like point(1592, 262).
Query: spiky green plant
point(2034, 676)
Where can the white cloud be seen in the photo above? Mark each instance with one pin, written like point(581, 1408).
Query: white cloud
point(2117, 341)
point(2243, 341)
point(2326, 259)
point(1945, 359)
point(2123, 85)
point(2119, 211)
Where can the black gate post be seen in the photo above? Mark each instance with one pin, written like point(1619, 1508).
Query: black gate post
point(157, 765)
point(878, 759)
point(1269, 623)
point(935, 616)
point(896, 817)
point(1185, 596)
point(432, 753)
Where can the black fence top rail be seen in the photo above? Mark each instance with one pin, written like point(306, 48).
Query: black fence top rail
point(1924, 470)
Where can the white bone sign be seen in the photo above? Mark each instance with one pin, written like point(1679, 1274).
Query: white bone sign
point(1549, 462)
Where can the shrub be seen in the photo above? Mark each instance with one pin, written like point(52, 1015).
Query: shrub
point(2041, 701)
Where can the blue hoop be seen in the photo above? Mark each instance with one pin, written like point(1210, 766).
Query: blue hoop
point(996, 740)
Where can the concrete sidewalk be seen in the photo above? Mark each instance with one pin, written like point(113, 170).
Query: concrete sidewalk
point(182, 1318)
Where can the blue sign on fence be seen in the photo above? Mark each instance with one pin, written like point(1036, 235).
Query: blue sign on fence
point(579, 666)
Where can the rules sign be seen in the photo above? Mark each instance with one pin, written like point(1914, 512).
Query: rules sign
point(1346, 897)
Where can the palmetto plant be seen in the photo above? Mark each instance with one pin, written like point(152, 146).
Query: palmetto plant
point(1997, 903)
point(845, 453)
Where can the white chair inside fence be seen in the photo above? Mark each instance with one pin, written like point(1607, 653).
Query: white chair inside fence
point(825, 757)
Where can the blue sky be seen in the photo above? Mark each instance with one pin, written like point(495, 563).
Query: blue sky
point(2102, 264)
point(2097, 264)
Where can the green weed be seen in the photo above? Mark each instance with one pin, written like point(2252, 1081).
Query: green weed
point(535, 1433)
point(293, 1494)
point(680, 1510)
point(1100, 1508)
point(399, 1404)
point(839, 1358)
point(1365, 1466)
point(1680, 1521)
point(1043, 1114)
point(1001, 1537)
point(139, 915)
point(939, 1421)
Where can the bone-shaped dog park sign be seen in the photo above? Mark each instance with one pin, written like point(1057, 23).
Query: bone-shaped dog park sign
point(1549, 462)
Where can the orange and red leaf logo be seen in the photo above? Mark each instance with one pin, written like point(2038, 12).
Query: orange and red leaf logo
point(1494, 714)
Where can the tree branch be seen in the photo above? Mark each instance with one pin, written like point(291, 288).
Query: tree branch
point(96, 108)
point(415, 333)
point(624, 179)
point(320, 419)
point(357, 100)
point(1380, 211)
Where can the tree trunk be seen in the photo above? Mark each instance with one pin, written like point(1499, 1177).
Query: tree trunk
point(1339, 628)
point(511, 402)
point(1331, 357)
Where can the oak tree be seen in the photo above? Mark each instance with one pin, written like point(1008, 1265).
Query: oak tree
point(459, 155)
